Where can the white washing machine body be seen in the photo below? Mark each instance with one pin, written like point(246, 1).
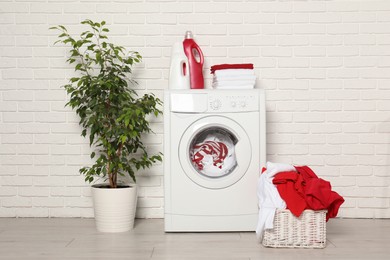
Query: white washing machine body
point(214, 146)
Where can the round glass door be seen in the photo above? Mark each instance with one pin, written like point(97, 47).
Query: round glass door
point(215, 152)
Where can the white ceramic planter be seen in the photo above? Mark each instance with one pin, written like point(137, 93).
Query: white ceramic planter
point(114, 208)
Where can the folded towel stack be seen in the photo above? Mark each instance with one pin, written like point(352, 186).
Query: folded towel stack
point(233, 76)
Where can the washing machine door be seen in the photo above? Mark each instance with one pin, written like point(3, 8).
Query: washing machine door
point(215, 152)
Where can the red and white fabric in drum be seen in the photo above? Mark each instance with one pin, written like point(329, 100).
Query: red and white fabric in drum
point(217, 150)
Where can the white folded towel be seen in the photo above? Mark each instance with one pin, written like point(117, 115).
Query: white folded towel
point(234, 87)
point(235, 77)
point(234, 83)
point(237, 84)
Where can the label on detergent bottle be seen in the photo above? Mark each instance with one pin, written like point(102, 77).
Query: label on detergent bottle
point(195, 61)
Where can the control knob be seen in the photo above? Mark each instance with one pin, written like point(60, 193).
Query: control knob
point(216, 104)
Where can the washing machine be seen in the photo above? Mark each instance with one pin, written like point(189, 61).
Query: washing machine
point(214, 147)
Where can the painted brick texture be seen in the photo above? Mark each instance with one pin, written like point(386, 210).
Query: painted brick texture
point(325, 66)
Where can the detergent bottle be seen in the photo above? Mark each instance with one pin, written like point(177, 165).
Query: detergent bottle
point(195, 61)
point(179, 74)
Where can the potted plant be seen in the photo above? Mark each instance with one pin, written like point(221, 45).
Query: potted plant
point(113, 117)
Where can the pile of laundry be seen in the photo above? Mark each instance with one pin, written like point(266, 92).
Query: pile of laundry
point(217, 151)
point(296, 188)
point(233, 76)
point(214, 156)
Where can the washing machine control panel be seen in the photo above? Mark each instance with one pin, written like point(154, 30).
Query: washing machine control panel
point(233, 103)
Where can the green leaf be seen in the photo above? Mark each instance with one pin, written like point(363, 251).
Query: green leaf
point(127, 121)
point(91, 139)
point(78, 66)
point(98, 57)
point(74, 79)
point(62, 27)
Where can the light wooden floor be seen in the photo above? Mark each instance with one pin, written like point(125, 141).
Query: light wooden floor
point(78, 239)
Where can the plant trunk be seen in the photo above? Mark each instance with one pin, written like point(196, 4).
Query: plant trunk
point(114, 179)
point(111, 177)
point(112, 183)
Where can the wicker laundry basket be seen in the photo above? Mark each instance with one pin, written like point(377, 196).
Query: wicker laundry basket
point(307, 231)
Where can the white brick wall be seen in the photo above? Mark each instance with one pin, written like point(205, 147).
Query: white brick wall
point(325, 66)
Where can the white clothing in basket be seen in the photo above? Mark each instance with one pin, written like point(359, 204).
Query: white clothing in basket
point(269, 198)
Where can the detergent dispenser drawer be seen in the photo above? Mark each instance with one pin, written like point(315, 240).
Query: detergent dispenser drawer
point(188, 103)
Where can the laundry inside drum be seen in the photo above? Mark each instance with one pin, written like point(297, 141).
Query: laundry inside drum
point(212, 152)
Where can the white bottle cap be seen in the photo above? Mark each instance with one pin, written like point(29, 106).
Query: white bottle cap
point(188, 35)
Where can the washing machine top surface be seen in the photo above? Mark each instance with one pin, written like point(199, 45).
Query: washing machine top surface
point(214, 101)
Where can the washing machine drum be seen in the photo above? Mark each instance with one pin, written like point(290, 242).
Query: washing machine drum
point(215, 152)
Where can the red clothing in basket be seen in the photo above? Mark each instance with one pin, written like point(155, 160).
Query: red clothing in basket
point(304, 190)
